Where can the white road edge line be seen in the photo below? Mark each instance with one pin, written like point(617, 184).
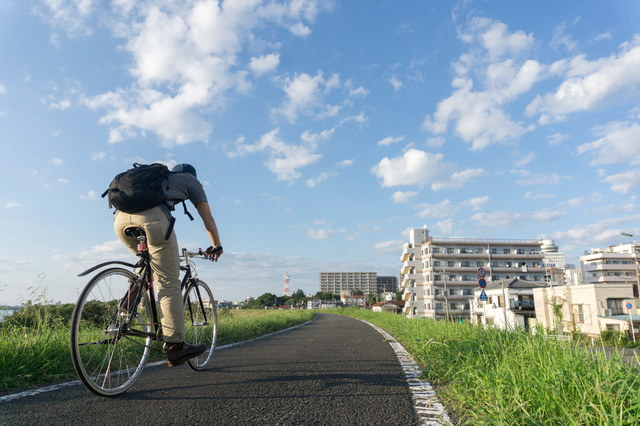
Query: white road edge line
point(52, 388)
point(428, 408)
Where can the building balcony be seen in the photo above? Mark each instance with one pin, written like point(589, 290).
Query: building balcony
point(602, 267)
point(408, 292)
point(523, 305)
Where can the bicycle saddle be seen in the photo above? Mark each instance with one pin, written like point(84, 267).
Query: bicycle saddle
point(134, 231)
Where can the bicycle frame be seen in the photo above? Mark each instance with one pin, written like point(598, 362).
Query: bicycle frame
point(146, 278)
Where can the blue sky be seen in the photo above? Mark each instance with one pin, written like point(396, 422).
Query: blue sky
point(322, 130)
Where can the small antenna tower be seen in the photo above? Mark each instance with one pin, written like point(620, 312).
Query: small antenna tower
point(286, 284)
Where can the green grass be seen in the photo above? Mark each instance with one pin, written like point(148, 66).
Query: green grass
point(34, 348)
point(496, 377)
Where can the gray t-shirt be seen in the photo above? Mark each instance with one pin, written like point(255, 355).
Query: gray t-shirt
point(184, 186)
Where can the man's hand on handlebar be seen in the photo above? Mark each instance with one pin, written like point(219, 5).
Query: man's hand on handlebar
point(213, 253)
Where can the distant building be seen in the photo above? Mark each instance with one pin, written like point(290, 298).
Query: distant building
point(440, 274)
point(509, 302)
point(388, 306)
point(613, 265)
point(551, 256)
point(588, 309)
point(387, 284)
point(337, 282)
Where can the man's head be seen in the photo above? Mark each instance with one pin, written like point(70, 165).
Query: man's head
point(185, 168)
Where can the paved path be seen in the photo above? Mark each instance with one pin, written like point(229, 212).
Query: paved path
point(334, 370)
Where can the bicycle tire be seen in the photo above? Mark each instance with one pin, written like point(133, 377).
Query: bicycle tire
point(106, 357)
point(200, 321)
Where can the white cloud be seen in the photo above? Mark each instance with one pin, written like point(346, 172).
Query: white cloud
point(345, 163)
point(557, 138)
point(3, 89)
point(70, 16)
point(505, 219)
point(526, 159)
point(421, 168)
point(311, 182)
point(619, 143)
point(443, 209)
point(56, 161)
point(10, 205)
point(445, 226)
point(624, 182)
point(304, 95)
point(320, 234)
point(496, 39)
point(530, 178)
point(389, 140)
point(476, 203)
point(300, 30)
point(493, 60)
point(389, 247)
point(186, 61)
point(530, 195)
point(599, 233)
point(284, 159)
point(265, 63)
point(576, 202)
point(397, 84)
point(91, 195)
point(403, 197)
point(590, 84)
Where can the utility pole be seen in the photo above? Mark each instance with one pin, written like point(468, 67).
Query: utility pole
point(446, 298)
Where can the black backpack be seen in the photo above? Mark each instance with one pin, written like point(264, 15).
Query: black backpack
point(139, 188)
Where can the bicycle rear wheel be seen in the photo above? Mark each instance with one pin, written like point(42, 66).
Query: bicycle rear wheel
point(108, 347)
point(200, 321)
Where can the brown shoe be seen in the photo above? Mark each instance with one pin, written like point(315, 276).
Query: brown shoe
point(179, 353)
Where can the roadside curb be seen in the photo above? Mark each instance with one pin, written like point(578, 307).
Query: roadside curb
point(428, 408)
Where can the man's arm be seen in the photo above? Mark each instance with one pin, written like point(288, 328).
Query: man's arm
point(210, 225)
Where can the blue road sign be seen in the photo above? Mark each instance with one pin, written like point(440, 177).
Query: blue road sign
point(629, 306)
point(483, 296)
point(482, 283)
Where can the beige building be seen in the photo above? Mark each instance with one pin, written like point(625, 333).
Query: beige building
point(588, 309)
point(439, 275)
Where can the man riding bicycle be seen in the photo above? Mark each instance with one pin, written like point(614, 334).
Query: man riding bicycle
point(163, 250)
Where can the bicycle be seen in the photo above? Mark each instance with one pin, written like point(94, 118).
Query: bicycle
point(112, 337)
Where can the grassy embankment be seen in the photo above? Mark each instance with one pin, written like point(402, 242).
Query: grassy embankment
point(34, 346)
point(496, 377)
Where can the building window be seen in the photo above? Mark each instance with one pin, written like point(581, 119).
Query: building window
point(578, 314)
point(450, 251)
point(479, 264)
point(451, 264)
point(500, 301)
point(506, 251)
point(616, 306)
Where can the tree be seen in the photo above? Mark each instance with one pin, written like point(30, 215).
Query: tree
point(399, 295)
point(298, 297)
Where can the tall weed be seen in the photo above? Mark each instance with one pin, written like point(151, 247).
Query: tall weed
point(489, 376)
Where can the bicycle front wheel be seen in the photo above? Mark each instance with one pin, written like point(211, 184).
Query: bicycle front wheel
point(109, 347)
point(200, 321)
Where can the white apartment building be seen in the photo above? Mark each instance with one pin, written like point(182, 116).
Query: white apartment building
point(613, 265)
point(439, 275)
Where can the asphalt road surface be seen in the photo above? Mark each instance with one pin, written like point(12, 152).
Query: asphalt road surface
point(333, 370)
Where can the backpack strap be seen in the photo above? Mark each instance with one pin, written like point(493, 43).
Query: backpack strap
point(172, 222)
point(186, 211)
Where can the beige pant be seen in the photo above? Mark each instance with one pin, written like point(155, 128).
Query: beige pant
point(165, 264)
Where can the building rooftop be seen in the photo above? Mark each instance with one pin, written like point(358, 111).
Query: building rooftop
point(514, 283)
